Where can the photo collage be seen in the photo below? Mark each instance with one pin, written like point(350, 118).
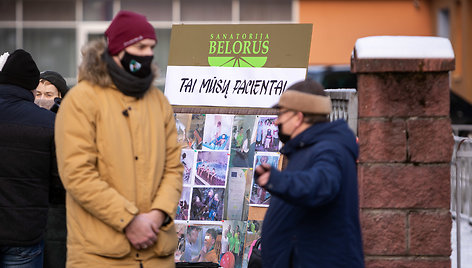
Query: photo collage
point(219, 155)
point(229, 243)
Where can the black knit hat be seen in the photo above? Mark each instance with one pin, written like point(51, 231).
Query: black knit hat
point(21, 70)
point(57, 80)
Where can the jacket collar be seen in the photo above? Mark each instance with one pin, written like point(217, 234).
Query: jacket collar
point(308, 137)
point(14, 91)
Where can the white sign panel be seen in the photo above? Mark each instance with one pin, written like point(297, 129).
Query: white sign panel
point(225, 86)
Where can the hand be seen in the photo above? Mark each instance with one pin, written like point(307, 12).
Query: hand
point(262, 174)
point(157, 217)
point(201, 256)
point(204, 250)
point(143, 229)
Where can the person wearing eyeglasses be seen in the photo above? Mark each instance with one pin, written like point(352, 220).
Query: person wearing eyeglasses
point(313, 217)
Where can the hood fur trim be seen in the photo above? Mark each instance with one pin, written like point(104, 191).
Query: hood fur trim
point(93, 68)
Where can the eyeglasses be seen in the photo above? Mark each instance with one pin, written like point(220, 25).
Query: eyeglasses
point(282, 112)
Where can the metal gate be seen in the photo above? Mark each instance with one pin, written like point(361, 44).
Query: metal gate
point(461, 187)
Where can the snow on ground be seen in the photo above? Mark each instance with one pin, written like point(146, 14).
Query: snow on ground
point(466, 244)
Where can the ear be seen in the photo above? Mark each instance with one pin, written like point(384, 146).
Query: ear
point(300, 118)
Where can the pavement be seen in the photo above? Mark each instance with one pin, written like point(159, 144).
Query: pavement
point(465, 244)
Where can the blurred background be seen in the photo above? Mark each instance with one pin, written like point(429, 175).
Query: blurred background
point(55, 30)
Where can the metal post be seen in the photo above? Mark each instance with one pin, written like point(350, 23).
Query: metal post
point(458, 215)
point(458, 202)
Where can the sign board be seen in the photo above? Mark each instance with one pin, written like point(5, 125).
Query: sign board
point(247, 65)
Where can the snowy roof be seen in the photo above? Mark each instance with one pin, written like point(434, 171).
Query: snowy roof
point(403, 47)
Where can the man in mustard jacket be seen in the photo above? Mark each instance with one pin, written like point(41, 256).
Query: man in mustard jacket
point(118, 155)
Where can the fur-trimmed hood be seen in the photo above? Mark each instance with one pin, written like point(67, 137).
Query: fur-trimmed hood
point(93, 68)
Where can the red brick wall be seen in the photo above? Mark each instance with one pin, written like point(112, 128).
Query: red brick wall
point(406, 143)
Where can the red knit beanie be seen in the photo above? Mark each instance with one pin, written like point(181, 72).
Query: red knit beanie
point(126, 29)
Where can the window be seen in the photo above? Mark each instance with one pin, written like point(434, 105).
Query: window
point(154, 10)
point(444, 22)
point(333, 76)
point(49, 10)
point(161, 55)
point(93, 36)
point(98, 10)
point(8, 40)
point(53, 33)
point(206, 10)
point(265, 10)
point(52, 49)
point(7, 10)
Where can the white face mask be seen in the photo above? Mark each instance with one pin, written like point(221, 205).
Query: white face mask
point(44, 103)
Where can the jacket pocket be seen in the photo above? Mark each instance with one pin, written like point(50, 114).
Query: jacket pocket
point(166, 241)
point(97, 237)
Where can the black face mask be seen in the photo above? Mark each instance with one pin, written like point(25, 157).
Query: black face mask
point(284, 138)
point(139, 66)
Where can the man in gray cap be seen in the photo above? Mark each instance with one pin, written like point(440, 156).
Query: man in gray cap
point(313, 217)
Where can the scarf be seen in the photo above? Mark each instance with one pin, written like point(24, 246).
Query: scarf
point(127, 83)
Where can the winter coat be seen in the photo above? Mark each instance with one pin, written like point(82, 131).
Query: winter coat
point(313, 217)
point(27, 165)
point(119, 157)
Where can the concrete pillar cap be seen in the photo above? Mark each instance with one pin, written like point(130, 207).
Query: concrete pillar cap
point(403, 47)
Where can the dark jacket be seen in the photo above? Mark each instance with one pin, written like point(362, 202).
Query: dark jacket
point(27, 163)
point(313, 218)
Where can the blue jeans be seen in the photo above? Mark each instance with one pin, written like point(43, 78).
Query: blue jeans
point(22, 257)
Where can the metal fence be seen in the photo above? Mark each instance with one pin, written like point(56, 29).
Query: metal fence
point(461, 181)
point(344, 106)
point(461, 186)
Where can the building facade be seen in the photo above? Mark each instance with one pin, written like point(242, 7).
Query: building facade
point(55, 30)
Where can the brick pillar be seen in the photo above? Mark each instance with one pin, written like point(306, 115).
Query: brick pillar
point(406, 143)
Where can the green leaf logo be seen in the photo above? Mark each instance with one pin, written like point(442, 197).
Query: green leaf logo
point(237, 61)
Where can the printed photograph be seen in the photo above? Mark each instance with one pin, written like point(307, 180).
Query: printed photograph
point(266, 134)
point(211, 168)
point(181, 231)
point(247, 194)
point(217, 132)
point(260, 196)
point(207, 204)
point(202, 243)
point(195, 132)
point(190, 246)
point(182, 123)
point(184, 204)
point(210, 239)
point(190, 130)
point(232, 244)
point(237, 189)
point(243, 142)
point(253, 232)
point(187, 157)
